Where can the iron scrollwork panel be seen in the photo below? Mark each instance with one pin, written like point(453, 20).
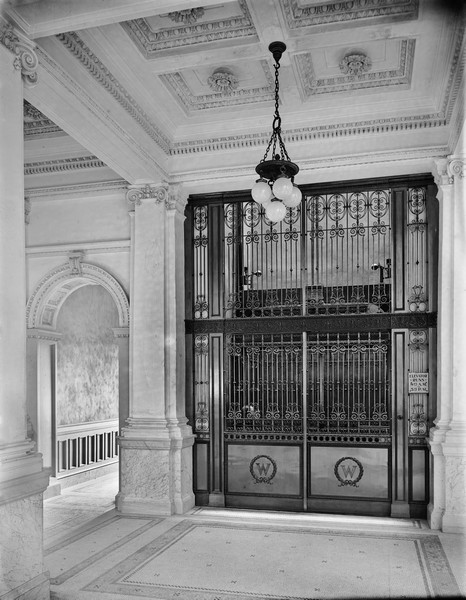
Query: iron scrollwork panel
point(348, 387)
point(348, 253)
point(263, 387)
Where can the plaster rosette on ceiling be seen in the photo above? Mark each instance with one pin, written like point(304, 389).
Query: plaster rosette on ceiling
point(326, 71)
point(207, 88)
point(226, 23)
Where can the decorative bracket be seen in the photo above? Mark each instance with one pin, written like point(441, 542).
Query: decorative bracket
point(26, 59)
point(75, 260)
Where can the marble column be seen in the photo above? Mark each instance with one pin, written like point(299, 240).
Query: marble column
point(22, 478)
point(156, 443)
point(447, 439)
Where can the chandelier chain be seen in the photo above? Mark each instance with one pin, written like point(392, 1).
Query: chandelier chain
point(276, 125)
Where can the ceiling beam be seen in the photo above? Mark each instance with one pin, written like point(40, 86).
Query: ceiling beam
point(41, 18)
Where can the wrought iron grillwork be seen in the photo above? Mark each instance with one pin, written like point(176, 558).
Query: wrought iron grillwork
point(263, 384)
point(417, 250)
point(348, 252)
point(263, 262)
point(418, 396)
point(201, 385)
point(348, 389)
point(201, 263)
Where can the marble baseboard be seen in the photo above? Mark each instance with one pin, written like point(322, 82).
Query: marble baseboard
point(37, 588)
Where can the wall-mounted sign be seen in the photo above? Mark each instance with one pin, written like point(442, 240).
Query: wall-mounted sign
point(418, 383)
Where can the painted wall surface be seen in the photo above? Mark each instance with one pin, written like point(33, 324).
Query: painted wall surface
point(87, 358)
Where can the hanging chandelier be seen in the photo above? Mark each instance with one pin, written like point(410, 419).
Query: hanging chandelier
point(275, 189)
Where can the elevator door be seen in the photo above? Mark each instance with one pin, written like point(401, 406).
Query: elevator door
point(305, 338)
point(307, 421)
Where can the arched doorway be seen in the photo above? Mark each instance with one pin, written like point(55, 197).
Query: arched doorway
point(78, 368)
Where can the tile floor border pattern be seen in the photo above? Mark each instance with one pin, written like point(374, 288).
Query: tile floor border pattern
point(93, 558)
point(437, 575)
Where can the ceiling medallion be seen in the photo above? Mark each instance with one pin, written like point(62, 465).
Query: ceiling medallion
point(355, 64)
point(223, 81)
point(187, 16)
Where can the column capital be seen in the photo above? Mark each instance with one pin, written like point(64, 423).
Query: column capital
point(177, 198)
point(25, 57)
point(440, 172)
point(455, 167)
point(147, 193)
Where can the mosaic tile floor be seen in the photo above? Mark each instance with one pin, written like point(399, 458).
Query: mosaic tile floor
point(218, 554)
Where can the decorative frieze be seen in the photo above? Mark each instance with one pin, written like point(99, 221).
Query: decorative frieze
point(24, 51)
point(64, 164)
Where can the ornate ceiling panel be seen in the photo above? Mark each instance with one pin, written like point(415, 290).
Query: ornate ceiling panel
point(390, 64)
point(299, 14)
point(225, 23)
point(219, 87)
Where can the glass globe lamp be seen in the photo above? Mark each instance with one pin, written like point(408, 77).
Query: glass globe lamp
point(261, 191)
point(275, 211)
point(294, 199)
point(282, 188)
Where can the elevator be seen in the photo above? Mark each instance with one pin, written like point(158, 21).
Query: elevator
point(311, 348)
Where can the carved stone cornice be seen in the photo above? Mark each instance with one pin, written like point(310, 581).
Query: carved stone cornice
point(136, 194)
point(101, 73)
point(23, 49)
point(64, 164)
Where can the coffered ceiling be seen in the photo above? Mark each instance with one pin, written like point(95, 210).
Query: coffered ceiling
point(183, 89)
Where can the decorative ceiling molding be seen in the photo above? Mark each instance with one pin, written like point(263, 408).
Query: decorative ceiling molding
point(327, 13)
point(64, 164)
point(105, 247)
point(37, 125)
point(80, 189)
point(305, 134)
point(177, 85)
point(312, 86)
point(150, 42)
point(99, 71)
point(325, 162)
